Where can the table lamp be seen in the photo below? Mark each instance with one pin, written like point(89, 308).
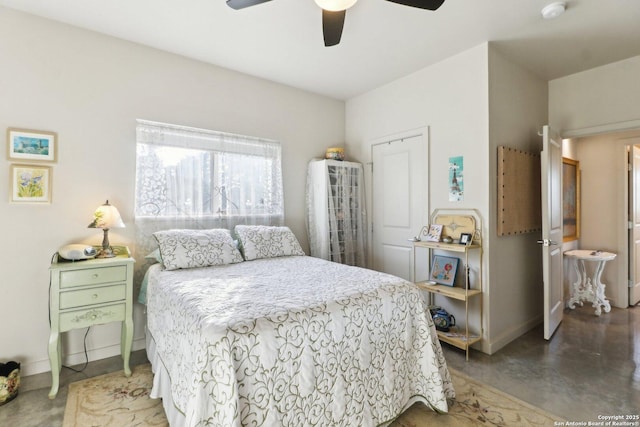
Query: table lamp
point(106, 217)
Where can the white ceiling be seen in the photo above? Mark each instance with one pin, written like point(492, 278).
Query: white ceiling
point(281, 40)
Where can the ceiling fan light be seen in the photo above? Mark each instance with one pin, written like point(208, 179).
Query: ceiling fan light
point(553, 10)
point(335, 5)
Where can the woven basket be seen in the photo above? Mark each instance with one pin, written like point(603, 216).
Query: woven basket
point(334, 153)
point(9, 381)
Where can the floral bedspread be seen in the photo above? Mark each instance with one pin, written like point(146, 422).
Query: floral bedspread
point(294, 341)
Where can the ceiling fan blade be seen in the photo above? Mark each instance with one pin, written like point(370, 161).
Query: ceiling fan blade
point(332, 24)
point(241, 4)
point(421, 4)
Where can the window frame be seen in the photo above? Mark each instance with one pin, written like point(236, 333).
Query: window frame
point(216, 145)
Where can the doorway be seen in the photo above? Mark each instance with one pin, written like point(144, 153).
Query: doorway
point(605, 201)
point(633, 154)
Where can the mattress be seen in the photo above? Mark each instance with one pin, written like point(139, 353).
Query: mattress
point(291, 341)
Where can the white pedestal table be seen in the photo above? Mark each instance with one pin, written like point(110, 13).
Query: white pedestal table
point(586, 288)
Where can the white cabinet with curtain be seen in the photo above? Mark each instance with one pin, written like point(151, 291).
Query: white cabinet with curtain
point(336, 216)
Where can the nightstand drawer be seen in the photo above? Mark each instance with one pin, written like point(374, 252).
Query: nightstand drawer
point(91, 296)
point(94, 316)
point(93, 276)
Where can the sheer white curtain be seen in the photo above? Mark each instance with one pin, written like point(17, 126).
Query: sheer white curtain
point(347, 215)
point(336, 214)
point(197, 178)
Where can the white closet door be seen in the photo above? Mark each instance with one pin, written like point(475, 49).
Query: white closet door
point(400, 196)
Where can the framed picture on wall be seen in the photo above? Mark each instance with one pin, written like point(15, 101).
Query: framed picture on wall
point(570, 199)
point(30, 184)
point(31, 145)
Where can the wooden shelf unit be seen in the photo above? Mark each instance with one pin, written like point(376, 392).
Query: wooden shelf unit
point(448, 291)
point(456, 337)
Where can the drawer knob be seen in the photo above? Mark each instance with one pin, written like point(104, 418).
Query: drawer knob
point(94, 296)
point(95, 275)
point(94, 315)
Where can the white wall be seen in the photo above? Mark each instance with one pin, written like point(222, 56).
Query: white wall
point(472, 103)
point(601, 100)
point(517, 112)
point(451, 99)
point(599, 97)
point(90, 89)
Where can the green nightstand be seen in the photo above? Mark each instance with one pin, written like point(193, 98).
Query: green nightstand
point(86, 293)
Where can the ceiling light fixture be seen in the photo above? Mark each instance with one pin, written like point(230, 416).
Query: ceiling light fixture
point(553, 10)
point(335, 5)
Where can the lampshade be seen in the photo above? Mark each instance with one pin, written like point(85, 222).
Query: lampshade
point(106, 217)
point(335, 5)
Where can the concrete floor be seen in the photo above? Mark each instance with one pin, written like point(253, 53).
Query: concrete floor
point(589, 369)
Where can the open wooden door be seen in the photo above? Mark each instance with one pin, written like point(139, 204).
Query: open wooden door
point(551, 174)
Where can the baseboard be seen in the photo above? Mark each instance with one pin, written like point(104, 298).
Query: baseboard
point(509, 335)
point(37, 367)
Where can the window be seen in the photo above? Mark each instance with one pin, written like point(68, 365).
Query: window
point(195, 178)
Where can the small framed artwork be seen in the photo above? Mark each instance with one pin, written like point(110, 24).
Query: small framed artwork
point(30, 184)
point(443, 269)
point(570, 199)
point(434, 233)
point(466, 239)
point(31, 145)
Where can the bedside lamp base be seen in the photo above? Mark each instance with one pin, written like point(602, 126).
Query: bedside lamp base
point(106, 251)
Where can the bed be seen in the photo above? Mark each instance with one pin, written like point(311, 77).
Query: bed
point(277, 338)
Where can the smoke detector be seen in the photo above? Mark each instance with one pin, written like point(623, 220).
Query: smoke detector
point(553, 10)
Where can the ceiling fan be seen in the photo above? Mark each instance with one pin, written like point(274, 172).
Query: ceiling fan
point(334, 11)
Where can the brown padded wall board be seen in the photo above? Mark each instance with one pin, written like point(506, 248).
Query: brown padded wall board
point(519, 205)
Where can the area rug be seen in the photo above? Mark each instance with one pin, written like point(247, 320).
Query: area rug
point(115, 400)
point(477, 404)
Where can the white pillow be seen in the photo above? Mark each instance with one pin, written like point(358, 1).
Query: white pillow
point(260, 241)
point(196, 248)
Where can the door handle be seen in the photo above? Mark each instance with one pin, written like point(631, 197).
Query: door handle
point(546, 242)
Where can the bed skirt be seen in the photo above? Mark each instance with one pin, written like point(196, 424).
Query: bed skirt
point(162, 384)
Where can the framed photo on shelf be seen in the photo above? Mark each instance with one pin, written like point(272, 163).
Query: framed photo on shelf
point(30, 184)
point(443, 269)
point(31, 145)
point(434, 233)
point(466, 239)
